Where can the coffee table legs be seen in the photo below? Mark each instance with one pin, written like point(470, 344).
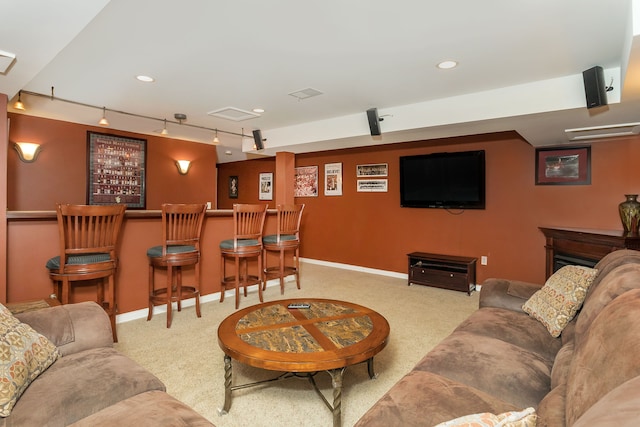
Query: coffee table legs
point(227, 386)
point(336, 383)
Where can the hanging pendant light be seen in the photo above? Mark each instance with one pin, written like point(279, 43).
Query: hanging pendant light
point(103, 121)
point(164, 130)
point(215, 138)
point(18, 105)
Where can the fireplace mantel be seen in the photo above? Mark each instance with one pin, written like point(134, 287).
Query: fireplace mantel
point(586, 244)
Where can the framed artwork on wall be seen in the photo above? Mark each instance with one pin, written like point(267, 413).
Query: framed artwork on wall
point(233, 187)
point(333, 179)
point(116, 170)
point(563, 166)
point(266, 186)
point(306, 181)
point(378, 169)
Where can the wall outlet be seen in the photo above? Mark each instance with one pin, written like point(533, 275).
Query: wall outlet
point(208, 205)
point(483, 260)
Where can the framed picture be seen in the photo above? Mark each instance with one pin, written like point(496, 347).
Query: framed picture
point(306, 181)
point(563, 166)
point(266, 186)
point(233, 187)
point(116, 170)
point(333, 179)
point(379, 169)
point(372, 185)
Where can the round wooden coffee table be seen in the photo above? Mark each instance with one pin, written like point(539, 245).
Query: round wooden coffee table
point(328, 336)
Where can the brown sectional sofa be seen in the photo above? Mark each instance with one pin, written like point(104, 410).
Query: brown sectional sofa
point(501, 359)
point(92, 384)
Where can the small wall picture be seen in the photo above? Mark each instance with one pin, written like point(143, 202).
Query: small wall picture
point(266, 186)
point(378, 169)
point(372, 186)
point(306, 181)
point(233, 187)
point(563, 166)
point(333, 179)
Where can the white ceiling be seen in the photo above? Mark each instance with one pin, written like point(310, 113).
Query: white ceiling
point(520, 67)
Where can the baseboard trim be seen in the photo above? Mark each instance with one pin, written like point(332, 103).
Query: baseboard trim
point(142, 313)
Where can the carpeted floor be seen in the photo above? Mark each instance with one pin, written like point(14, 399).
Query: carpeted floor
point(189, 361)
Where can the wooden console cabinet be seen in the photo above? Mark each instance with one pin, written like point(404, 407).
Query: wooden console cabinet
point(442, 271)
point(583, 246)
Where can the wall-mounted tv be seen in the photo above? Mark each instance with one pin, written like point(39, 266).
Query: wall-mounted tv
point(443, 180)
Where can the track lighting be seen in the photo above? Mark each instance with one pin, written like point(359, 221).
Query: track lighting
point(103, 121)
point(18, 104)
point(180, 117)
point(183, 166)
point(27, 151)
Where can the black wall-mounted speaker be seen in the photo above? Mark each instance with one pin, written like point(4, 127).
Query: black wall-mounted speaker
point(257, 137)
point(374, 121)
point(595, 89)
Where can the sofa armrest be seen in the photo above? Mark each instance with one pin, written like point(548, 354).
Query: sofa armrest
point(72, 327)
point(509, 294)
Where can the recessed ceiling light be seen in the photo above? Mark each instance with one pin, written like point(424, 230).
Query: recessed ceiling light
point(258, 110)
point(447, 65)
point(145, 79)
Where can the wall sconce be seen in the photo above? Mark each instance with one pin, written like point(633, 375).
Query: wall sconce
point(183, 166)
point(27, 151)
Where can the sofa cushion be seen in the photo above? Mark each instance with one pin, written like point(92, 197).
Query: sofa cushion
point(525, 418)
point(606, 356)
point(618, 408)
point(24, 355)
point(81, 384)
point(152, 408)
point(551, 410)
point(425, 399)
point(616, 282)
point(501, 369)
point(560, 297)
point(516, 328)
point(561, 366)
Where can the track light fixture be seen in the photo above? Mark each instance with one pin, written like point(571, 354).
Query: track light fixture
point(215, 138)
point(18, 104)
point(180, 118)
point(103, 121)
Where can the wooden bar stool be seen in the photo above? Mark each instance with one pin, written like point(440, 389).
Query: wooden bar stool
point(181, 230)
point(248, 224)
point(286, 239)
point(88, 250)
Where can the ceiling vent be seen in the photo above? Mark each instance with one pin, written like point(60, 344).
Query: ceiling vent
point(305, 93)
point(232, 113)
point(606, 131)
point(6, 61)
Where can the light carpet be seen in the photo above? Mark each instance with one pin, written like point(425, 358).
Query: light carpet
point(189, 361)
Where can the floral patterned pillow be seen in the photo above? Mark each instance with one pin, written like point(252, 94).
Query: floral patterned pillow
point(561, 297)
point(525, 418)
point(24, 354)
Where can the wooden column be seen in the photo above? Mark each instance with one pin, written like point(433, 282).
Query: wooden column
point(285, 176)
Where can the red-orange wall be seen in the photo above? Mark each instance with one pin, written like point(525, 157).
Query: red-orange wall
point(60, 172)
point(372, 230)
point(248, 174)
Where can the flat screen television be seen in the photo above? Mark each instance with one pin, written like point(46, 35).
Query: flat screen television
point(443, 180)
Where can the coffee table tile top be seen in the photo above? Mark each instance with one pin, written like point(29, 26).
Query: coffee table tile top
point(294, 339)
point(346, 332)
point(326, 309)
point(266, 316)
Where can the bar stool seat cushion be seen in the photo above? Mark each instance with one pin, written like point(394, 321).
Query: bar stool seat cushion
point(54, 263)
point(228, 244)
point(156, 251)
point(273, 238)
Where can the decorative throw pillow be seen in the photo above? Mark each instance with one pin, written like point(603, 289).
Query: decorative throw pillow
point(24, 354)
point(561, 297)
point(525, 418)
